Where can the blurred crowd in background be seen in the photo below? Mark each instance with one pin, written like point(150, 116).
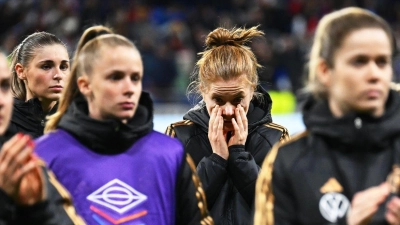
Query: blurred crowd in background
point(171, 33)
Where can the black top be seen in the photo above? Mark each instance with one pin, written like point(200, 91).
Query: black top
point(230, 184)
point(28, 117)
point(331, 161)
point(108, 136)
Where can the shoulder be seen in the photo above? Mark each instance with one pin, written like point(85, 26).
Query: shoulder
point(288, 152)
point(53, 144)
point(273, 132)
point(183, 130)
point(55, 140)
point(159, 140)
point(173, 128)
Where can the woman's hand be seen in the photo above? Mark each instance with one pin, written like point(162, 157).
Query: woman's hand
point(365, 204)
point(392, 214)
point(216, 134)
point(32, 186)
point(18, 169)
point(239, 135)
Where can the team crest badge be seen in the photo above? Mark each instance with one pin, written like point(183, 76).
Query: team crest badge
point(333, 206)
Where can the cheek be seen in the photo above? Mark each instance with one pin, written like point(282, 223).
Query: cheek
point(38, 80)
point(8, 104)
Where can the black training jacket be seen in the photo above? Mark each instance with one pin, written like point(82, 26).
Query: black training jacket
point(317, 173)
point(230, 184)
point(28, 117)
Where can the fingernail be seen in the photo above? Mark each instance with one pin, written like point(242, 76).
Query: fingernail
point(31, 143)
point(27, 137)
point(20, 135)
point(35, 156)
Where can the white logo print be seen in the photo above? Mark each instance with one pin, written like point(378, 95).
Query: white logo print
point(333, 206)
point(118, 196)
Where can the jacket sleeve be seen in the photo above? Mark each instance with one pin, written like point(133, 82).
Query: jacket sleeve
point(7, 208)
point(275, 203)
point(191, 205)
point(57, 209)
point(243, 171)
point(213, 174)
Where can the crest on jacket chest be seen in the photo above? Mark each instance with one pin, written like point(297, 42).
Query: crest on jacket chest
point(333, 205)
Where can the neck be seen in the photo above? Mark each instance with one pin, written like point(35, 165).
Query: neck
point(339, 111)
point(47, 105)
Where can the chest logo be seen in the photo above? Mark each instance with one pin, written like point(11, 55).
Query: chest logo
point(333, 206)
point(118, 196)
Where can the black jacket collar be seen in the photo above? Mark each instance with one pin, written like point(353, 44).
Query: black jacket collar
point(354, 129)
point(29, 117)
point(110, 136)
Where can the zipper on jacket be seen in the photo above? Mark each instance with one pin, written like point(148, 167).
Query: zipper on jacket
point(358, 123)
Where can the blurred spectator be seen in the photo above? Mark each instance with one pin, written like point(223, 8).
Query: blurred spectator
point(170, 32)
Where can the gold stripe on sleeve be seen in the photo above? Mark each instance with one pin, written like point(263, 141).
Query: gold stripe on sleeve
point(285, 133)
point(200, 195)
point(68, 206)
point(264, 212)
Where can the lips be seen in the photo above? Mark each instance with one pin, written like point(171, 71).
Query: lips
point(127, 105)
point(373, 93)
point(56, 88)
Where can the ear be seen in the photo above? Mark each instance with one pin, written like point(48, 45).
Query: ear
point(19, 69)
point(84, 85)
point(323, 73)
point(201, 88)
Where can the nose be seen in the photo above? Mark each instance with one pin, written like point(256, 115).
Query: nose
point(228, 109)
point(58, 75)
point(128, 87)
point(374, 72)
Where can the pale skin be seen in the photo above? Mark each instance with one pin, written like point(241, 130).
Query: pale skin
point(227, 103)
point(366, 203)
point(218, 136)
point(45, 74)
point(359, 81)
point(113, 89)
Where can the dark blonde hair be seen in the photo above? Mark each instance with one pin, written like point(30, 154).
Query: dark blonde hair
point(331, 31)
point(93, 40)
point(226, 56)
point(24, 54)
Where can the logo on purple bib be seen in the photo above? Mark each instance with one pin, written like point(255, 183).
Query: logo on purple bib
point(119, 197)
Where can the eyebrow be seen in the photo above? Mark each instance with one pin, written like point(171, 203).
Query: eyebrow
point(238, 94)
point(50, 61)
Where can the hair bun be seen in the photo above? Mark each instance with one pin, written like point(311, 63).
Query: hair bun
point(235, 37)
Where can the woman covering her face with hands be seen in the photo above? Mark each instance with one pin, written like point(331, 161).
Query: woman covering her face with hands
point(29, 193)
point(336, 171)
point(230, 131)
